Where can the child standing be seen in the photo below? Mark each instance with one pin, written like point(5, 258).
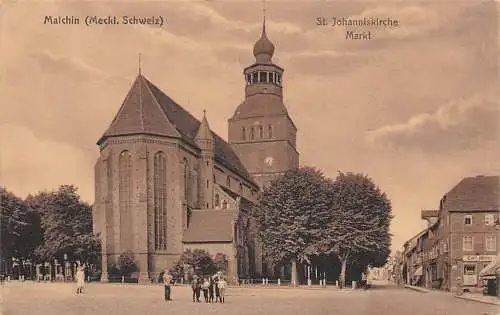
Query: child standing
point(205, 287)
point(211, 290)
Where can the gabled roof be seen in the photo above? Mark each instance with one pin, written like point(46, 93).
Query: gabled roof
point(478, 193)
point(147, 110)
point(210, 226)
point(245, 204)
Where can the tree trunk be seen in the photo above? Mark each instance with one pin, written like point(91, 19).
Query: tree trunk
point(294, 272)
point(343, 272)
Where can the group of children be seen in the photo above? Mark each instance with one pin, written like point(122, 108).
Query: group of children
point(209, 286)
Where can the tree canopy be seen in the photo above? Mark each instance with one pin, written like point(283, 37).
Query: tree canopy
point(66, 222)
point(292, 214)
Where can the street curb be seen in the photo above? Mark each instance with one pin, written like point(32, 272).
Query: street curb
point(476, 300)
point(422, 290)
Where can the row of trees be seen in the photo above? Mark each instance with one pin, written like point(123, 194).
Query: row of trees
point(304, 215)
point(47, 226)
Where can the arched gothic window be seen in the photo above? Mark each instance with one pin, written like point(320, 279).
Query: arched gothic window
point(243, 133)
point(160, 200)
point(186, 180)
point(125, 187)
point(217, 200)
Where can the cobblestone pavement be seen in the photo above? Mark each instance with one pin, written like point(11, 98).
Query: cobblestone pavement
point(111, 299)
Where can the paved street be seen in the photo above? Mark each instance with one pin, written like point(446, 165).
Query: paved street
point(111, 299)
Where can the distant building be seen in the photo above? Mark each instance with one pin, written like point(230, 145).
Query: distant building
point(460, 239)
point(166, 182)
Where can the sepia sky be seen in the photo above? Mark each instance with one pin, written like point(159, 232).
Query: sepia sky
point(415, 108)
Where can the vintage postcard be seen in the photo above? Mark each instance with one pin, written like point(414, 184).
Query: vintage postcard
point(249, 157)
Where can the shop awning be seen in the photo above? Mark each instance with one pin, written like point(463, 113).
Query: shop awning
point(491, 269)
point(419, 272)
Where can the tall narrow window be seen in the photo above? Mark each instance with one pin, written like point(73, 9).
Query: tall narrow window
point(217, 200)
point(125, 196)
point(228, 182)
point(249, 79)
point(241, 189)
point(270, 131)
point(224, 204)
point(261, 132)
point(160, 200)
point(186, 181)
point(255, 77)
point(252, 133)
point(273, 80)
point(243, 133)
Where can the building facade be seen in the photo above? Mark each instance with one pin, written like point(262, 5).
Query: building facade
point(460, 239)
point(164, 182)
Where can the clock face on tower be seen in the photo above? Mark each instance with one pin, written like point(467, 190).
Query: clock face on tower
point(269, 161)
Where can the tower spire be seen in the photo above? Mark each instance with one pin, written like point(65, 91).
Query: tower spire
point(263, 16)
point(139, 63)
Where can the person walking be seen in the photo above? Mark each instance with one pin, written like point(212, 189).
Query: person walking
point(205, 287)
point(167, 282)
point(80, 279)
point(211, 290)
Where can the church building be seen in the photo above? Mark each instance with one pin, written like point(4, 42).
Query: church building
point(165, 182)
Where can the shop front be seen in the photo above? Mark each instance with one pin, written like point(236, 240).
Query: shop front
point(489, 276)
point(472, 266)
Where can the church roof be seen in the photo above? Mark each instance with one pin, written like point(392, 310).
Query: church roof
point(147, 110)
point(478, 193)
point(260, 105)
point(210, 226)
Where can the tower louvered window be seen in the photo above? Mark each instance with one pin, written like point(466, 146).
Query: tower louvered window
point(125, 188)
point(252, 133)
point(160, 200)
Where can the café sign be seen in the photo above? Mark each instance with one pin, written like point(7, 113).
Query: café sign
point(479, 257)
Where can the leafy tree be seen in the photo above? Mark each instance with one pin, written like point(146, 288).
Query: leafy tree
point(359, 226)
point(66, 223)
point(14, 225)
point(221, 262)
point(199, 259)
point(292, 215)
point(127, 264)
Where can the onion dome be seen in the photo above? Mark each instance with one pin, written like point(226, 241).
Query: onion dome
point(263, 49)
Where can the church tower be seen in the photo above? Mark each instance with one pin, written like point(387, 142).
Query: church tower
point(205, 140)
point(261, 131)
